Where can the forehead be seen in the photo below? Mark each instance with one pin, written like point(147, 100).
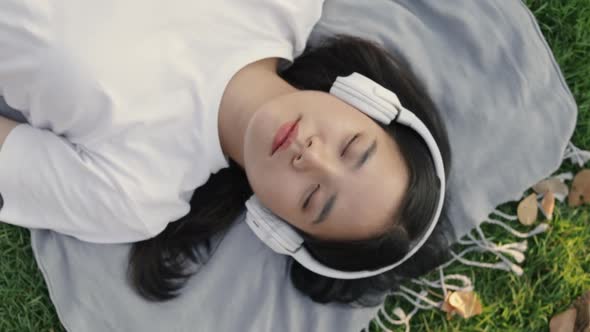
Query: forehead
point(370, 197)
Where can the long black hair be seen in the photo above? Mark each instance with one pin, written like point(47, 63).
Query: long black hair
point(158, 267)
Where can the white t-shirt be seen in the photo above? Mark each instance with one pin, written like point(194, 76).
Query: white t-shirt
point(122, 100)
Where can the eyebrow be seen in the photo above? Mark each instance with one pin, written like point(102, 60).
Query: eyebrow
point(330, 202)
point(365, 156)
point(327, 208)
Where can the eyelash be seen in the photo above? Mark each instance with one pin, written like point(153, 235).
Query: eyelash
point(305, 204)
point(348, 145)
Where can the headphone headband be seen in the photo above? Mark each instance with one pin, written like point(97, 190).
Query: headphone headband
point(382, 105)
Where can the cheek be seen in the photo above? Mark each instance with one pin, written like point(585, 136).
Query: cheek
point(255, 139)
point(277, 190)
point(334, 125)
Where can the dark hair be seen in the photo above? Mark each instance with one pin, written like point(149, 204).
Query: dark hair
point(158, 266)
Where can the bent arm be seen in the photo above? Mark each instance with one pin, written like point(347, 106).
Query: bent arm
point(48, 182)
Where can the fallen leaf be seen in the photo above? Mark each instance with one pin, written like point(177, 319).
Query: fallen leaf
point(554, 184)
point(548, 204)
point(563, 321)
point(527, 210)
point(464, 303)
point(580, 192)
point(446, 307)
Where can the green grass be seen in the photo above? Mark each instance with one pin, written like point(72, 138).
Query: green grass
point(557, 267)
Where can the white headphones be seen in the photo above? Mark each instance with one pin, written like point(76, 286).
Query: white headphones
point(382, 105)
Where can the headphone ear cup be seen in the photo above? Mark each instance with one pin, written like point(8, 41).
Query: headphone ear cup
point(276, 246)
point(263, 233)
point(367, 96)
point(270, 229)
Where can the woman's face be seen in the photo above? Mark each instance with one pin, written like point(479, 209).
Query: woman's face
point(348, 169)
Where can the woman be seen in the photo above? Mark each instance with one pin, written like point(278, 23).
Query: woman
point(120, 145)
point(394, 199)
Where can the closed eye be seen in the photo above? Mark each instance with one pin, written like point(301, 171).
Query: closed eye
point(330, 203)
point(309, 197)
point(306, 203)
point(348, 144)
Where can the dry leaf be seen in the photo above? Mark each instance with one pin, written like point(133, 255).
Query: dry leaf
point(548, 204)
point(580, 192)
point(563, 322)
point(527, 210)
point(464, 303)
point(446, 307)
point(554, 184)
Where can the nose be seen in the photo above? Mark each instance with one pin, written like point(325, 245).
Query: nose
point(311, 155)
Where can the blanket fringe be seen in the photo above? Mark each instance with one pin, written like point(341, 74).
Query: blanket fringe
point(509, 256)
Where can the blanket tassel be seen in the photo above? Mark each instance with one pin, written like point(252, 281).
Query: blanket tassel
point(509, 256)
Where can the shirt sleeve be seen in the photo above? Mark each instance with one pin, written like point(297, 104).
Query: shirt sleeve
point(102, 158)
point(48, 182)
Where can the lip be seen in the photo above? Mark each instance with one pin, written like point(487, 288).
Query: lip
point(284, 136)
